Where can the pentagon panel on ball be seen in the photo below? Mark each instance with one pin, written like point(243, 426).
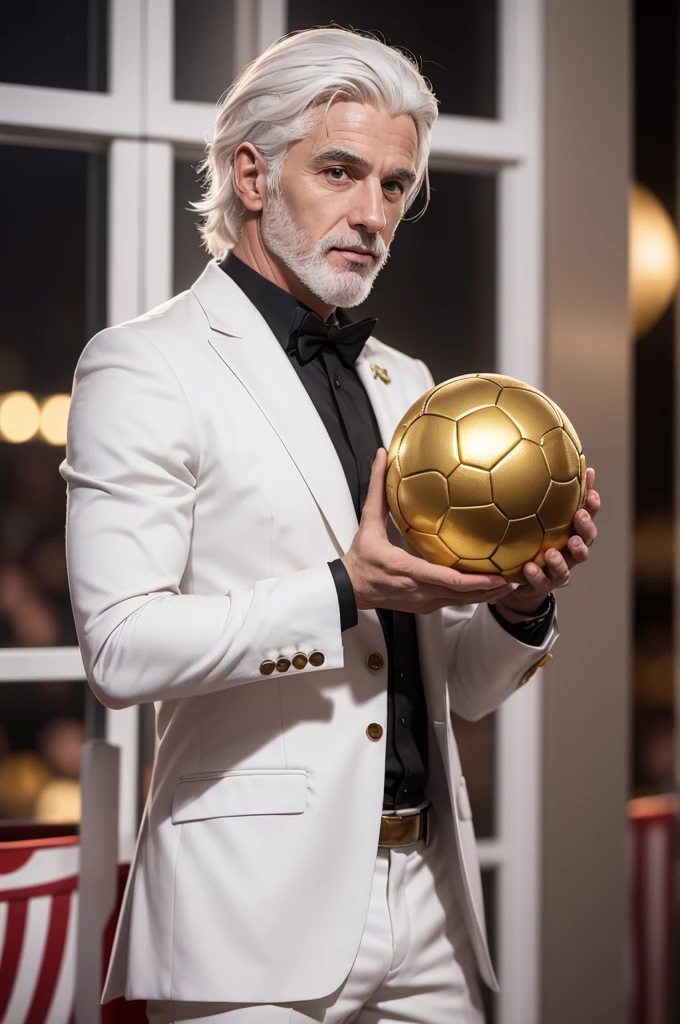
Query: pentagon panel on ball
point(485, 473)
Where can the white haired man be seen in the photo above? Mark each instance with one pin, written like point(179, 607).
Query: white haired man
point(307, 851)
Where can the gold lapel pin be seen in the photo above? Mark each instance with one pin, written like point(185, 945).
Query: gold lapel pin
point(379, 372)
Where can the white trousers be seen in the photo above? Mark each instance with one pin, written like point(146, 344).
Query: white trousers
point(415, 964)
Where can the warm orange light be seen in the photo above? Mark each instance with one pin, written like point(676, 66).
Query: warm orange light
point(653, 259)
point(54, 417)
point(19, 417)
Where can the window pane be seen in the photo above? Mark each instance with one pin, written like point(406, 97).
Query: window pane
point(477, 749)
point(189, 258)
point(51, 294)
point(62, 45)
point(457, 44)
point(435, 298)
point(42, 729)
point(204, 49)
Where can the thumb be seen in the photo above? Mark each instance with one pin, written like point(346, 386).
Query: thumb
point(375, 510)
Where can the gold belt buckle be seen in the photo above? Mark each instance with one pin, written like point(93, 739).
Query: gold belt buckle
point(403, 829)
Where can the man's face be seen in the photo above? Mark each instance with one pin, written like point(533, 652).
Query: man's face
point(343, 192)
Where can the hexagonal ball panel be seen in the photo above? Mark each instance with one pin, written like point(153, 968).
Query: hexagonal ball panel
point(469, 486)
point(485, 436)
point(424, 500)
point(477, 565)
point(561, 502)
point(531, 412)
point(392, 481)
point(431, 547)
point(407, 419)
point(461, 395)
point(473, 532)
point(522, 541)
point(429, 444)
point(519, 483)
point(560, 454)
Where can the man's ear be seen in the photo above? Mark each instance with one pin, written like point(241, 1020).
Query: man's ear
point(249, 176)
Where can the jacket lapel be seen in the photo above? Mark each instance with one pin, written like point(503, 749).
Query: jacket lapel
point(243, 340)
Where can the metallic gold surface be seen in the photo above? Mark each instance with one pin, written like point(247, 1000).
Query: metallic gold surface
point(561, 455)
point(432, 547)
point(520, 479)
point(317, 658)
point(267, 667)
point(560, 504)
point(531, 412)
point(403, 829)
point(473, 532)
point(374, 731)
point(469, 486)
point(520, 482)
point(456, 398)
point(485, 436)
point(424, 500)
point(521, 536)
point(429, 443)
point(375, 661)
point(534, 668)
point(299, 660)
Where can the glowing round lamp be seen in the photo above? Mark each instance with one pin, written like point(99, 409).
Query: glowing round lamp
point(54, 417)
point(653, 259)
point(19, 417)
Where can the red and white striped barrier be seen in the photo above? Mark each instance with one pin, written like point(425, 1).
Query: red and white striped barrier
point(38, 926)
point(651, 825)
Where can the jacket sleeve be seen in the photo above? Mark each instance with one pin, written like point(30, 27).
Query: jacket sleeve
point(132, 461)
point(485, 662)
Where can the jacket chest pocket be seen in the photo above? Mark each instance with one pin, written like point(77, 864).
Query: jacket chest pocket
point(228, 794)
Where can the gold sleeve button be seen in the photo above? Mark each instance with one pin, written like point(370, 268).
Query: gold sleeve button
point(375, 661)
point(282, 665)
point(267, 667)
point(317, 658)
point(374, 731)
point(534, 668)
point(299, 660)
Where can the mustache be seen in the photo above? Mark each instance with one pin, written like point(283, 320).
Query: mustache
point(373, 243)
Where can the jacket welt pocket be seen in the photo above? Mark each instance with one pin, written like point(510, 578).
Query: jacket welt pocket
point(229, 794)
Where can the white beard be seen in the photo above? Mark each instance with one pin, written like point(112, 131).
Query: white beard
point(348, 286)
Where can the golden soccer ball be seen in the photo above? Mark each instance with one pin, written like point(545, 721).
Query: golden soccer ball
point(485, 473)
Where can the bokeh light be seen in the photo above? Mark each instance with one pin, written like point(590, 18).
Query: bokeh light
point(19, 417)
point(54, 417)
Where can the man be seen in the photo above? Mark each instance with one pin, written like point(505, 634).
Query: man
point(307, 850)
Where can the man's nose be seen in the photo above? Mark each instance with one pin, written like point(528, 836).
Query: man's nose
point(368, 210)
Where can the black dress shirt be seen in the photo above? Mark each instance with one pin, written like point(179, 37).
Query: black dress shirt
point(347, 414)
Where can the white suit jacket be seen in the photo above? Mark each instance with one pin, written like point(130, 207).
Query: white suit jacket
point(205, 499)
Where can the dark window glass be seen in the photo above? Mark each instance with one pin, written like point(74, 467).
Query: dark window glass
point(189, 258)
point(52, 283)
point(62, 45)
point(204, 49)
point(477, 749)
point(42, 729)
point(436, 296)
point(455, 44)
point(490, 886)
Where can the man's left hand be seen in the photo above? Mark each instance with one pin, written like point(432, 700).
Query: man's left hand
point(558, 564)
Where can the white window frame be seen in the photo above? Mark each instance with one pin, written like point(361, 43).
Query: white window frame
point(144, 127)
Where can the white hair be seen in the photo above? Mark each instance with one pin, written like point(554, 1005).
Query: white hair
point(275, 101)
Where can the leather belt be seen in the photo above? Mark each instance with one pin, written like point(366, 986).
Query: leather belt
point(404, 829)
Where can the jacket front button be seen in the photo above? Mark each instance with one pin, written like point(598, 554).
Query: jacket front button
point(267, 667)
point(374, 731)
point(317, 658)
point(375, 661)
point(282, 665)
point(299, 660)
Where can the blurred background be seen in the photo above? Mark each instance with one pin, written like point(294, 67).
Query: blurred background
point(557, 142)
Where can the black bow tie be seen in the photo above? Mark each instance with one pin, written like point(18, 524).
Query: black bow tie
point(309, 334)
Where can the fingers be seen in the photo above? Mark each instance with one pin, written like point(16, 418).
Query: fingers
point(439, 575)
point(375, 510)
point(590, 477)
point(593, 501)
point(585, 527)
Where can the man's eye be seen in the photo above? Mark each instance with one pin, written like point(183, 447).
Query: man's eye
point(393, 186)
point(336, 173)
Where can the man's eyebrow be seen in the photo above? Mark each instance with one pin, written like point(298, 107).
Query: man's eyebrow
point(348, 156)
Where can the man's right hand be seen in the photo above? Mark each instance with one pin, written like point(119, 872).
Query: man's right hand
point(385, 576)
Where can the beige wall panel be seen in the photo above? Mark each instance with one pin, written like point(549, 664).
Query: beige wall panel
point(588, 372)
